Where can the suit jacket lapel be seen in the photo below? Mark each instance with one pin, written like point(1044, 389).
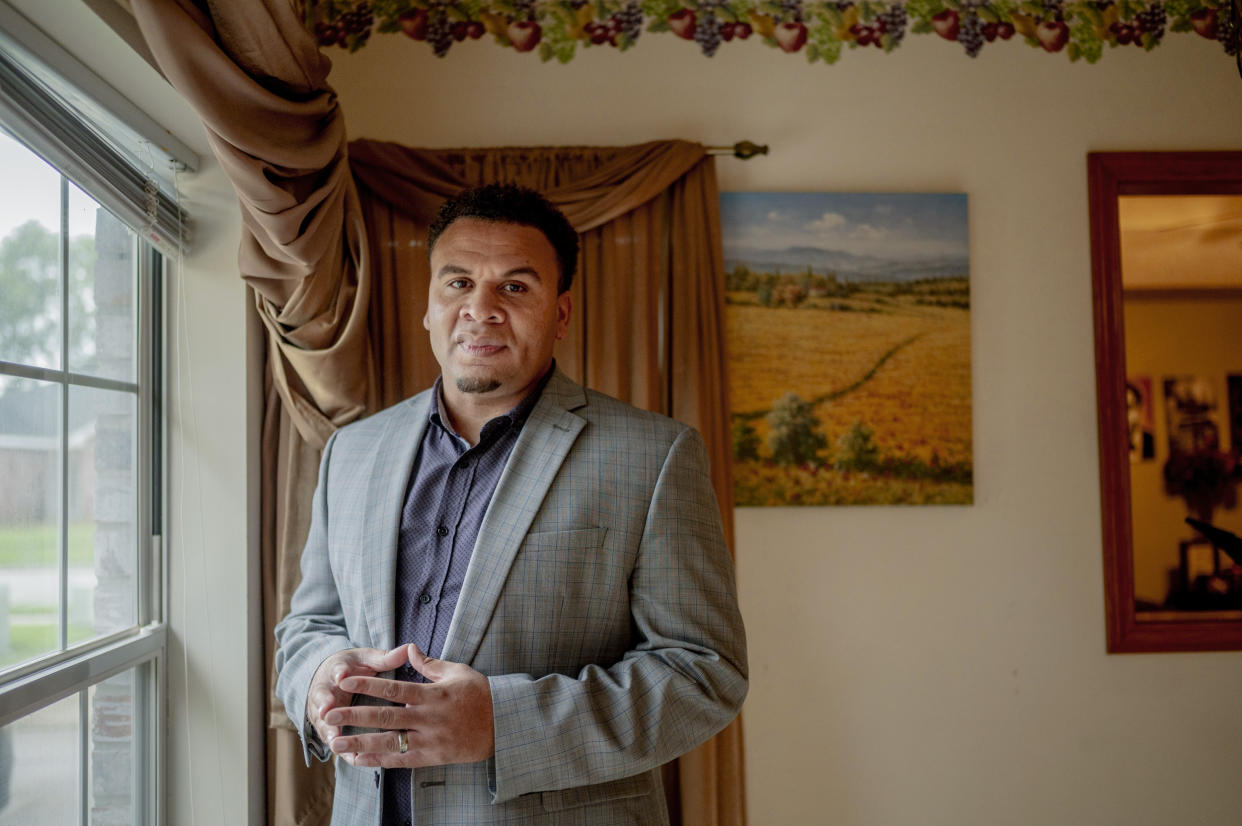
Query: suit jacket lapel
point(394, 460)
point(541, 448)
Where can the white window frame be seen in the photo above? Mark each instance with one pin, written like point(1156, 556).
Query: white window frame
point(84, 126)
point(143, 646)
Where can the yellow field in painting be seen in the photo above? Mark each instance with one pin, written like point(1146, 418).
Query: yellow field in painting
point(918, 402)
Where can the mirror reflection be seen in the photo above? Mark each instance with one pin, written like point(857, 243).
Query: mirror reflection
point(1181, 272)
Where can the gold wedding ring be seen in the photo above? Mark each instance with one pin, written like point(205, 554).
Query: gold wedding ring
point(403, 742)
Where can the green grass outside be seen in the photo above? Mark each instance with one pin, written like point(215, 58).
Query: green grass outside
point(37, 546)
point(29, 641)
point(31, 610)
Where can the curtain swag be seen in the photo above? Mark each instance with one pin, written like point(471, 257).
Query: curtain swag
point(556, 29)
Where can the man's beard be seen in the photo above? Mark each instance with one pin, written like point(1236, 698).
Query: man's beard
point(470, 384)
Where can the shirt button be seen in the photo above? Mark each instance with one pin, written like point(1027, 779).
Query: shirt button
point(441, 531)
point(424, 599)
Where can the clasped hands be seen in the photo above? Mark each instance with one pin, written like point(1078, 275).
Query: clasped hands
point(446, 720)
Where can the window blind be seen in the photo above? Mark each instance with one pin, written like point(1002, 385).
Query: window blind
point(68, 116)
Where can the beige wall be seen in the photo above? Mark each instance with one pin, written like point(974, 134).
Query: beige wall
point(935, 665)
point(1176, 337)
point(909, 666)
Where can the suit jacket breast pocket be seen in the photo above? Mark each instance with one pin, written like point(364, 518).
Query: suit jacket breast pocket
point(566, 541)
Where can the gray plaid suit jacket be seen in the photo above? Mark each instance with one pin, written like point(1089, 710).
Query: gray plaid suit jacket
point(599, 601)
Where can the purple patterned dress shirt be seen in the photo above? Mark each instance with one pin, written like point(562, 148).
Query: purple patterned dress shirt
point(451, 486)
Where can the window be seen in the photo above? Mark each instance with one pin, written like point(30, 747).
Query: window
point(87, 208)
point(82, 639)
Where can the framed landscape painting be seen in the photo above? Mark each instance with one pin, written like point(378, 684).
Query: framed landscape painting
point(849, 337)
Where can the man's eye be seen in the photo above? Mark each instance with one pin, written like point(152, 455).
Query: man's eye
point(515, 288)
point(458, 283)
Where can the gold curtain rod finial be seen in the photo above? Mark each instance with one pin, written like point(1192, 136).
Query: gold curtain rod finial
point(748, 149)
point(742, 149)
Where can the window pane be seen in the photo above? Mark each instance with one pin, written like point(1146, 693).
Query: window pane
point(103, 511)
point(114, 712)
point(39, 767)
point(102, 279)
point(29, 519)
point(29, 258)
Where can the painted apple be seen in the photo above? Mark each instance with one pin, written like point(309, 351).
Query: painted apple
point(597, 33)
point(946, 24)
point(1204, 22)
point(524, 34)
point(682, 22)
point(414, 23)
point(1053, 35)
point(790, 35)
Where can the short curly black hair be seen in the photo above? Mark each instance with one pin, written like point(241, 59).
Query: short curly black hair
point(512, 204)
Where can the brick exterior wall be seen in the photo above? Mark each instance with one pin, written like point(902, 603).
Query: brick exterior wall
point(112, 750)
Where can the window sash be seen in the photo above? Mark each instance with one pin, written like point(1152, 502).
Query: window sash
point(145, 653)
point(148, 589)
point(52, 374)
point(142, 646)
point(78, 669)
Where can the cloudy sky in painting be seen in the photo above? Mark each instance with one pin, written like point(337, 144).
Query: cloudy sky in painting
point(903, 226)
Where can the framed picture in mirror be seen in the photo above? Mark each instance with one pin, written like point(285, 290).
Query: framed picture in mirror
point(1166, 249)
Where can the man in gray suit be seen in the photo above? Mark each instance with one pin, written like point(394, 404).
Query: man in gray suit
point(548, 561)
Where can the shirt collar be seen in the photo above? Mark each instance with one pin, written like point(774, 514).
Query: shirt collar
point(515, 418)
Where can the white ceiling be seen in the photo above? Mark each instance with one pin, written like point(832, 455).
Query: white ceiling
point(1181, 241)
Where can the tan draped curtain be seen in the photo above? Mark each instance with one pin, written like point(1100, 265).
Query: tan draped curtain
point(333, 249)
point(648, 319)
point(647, 325)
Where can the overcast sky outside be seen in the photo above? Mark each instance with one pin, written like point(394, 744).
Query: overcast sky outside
point(31, 190)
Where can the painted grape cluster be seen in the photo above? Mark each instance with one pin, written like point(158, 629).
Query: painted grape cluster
point(820, 30)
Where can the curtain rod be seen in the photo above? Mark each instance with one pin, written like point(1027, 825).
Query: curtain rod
point(742, 149)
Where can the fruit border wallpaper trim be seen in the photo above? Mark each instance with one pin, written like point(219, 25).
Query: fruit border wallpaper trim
point(821, 31)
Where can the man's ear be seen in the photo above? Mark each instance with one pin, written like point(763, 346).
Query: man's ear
point(564, 306)
point(426, 322)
